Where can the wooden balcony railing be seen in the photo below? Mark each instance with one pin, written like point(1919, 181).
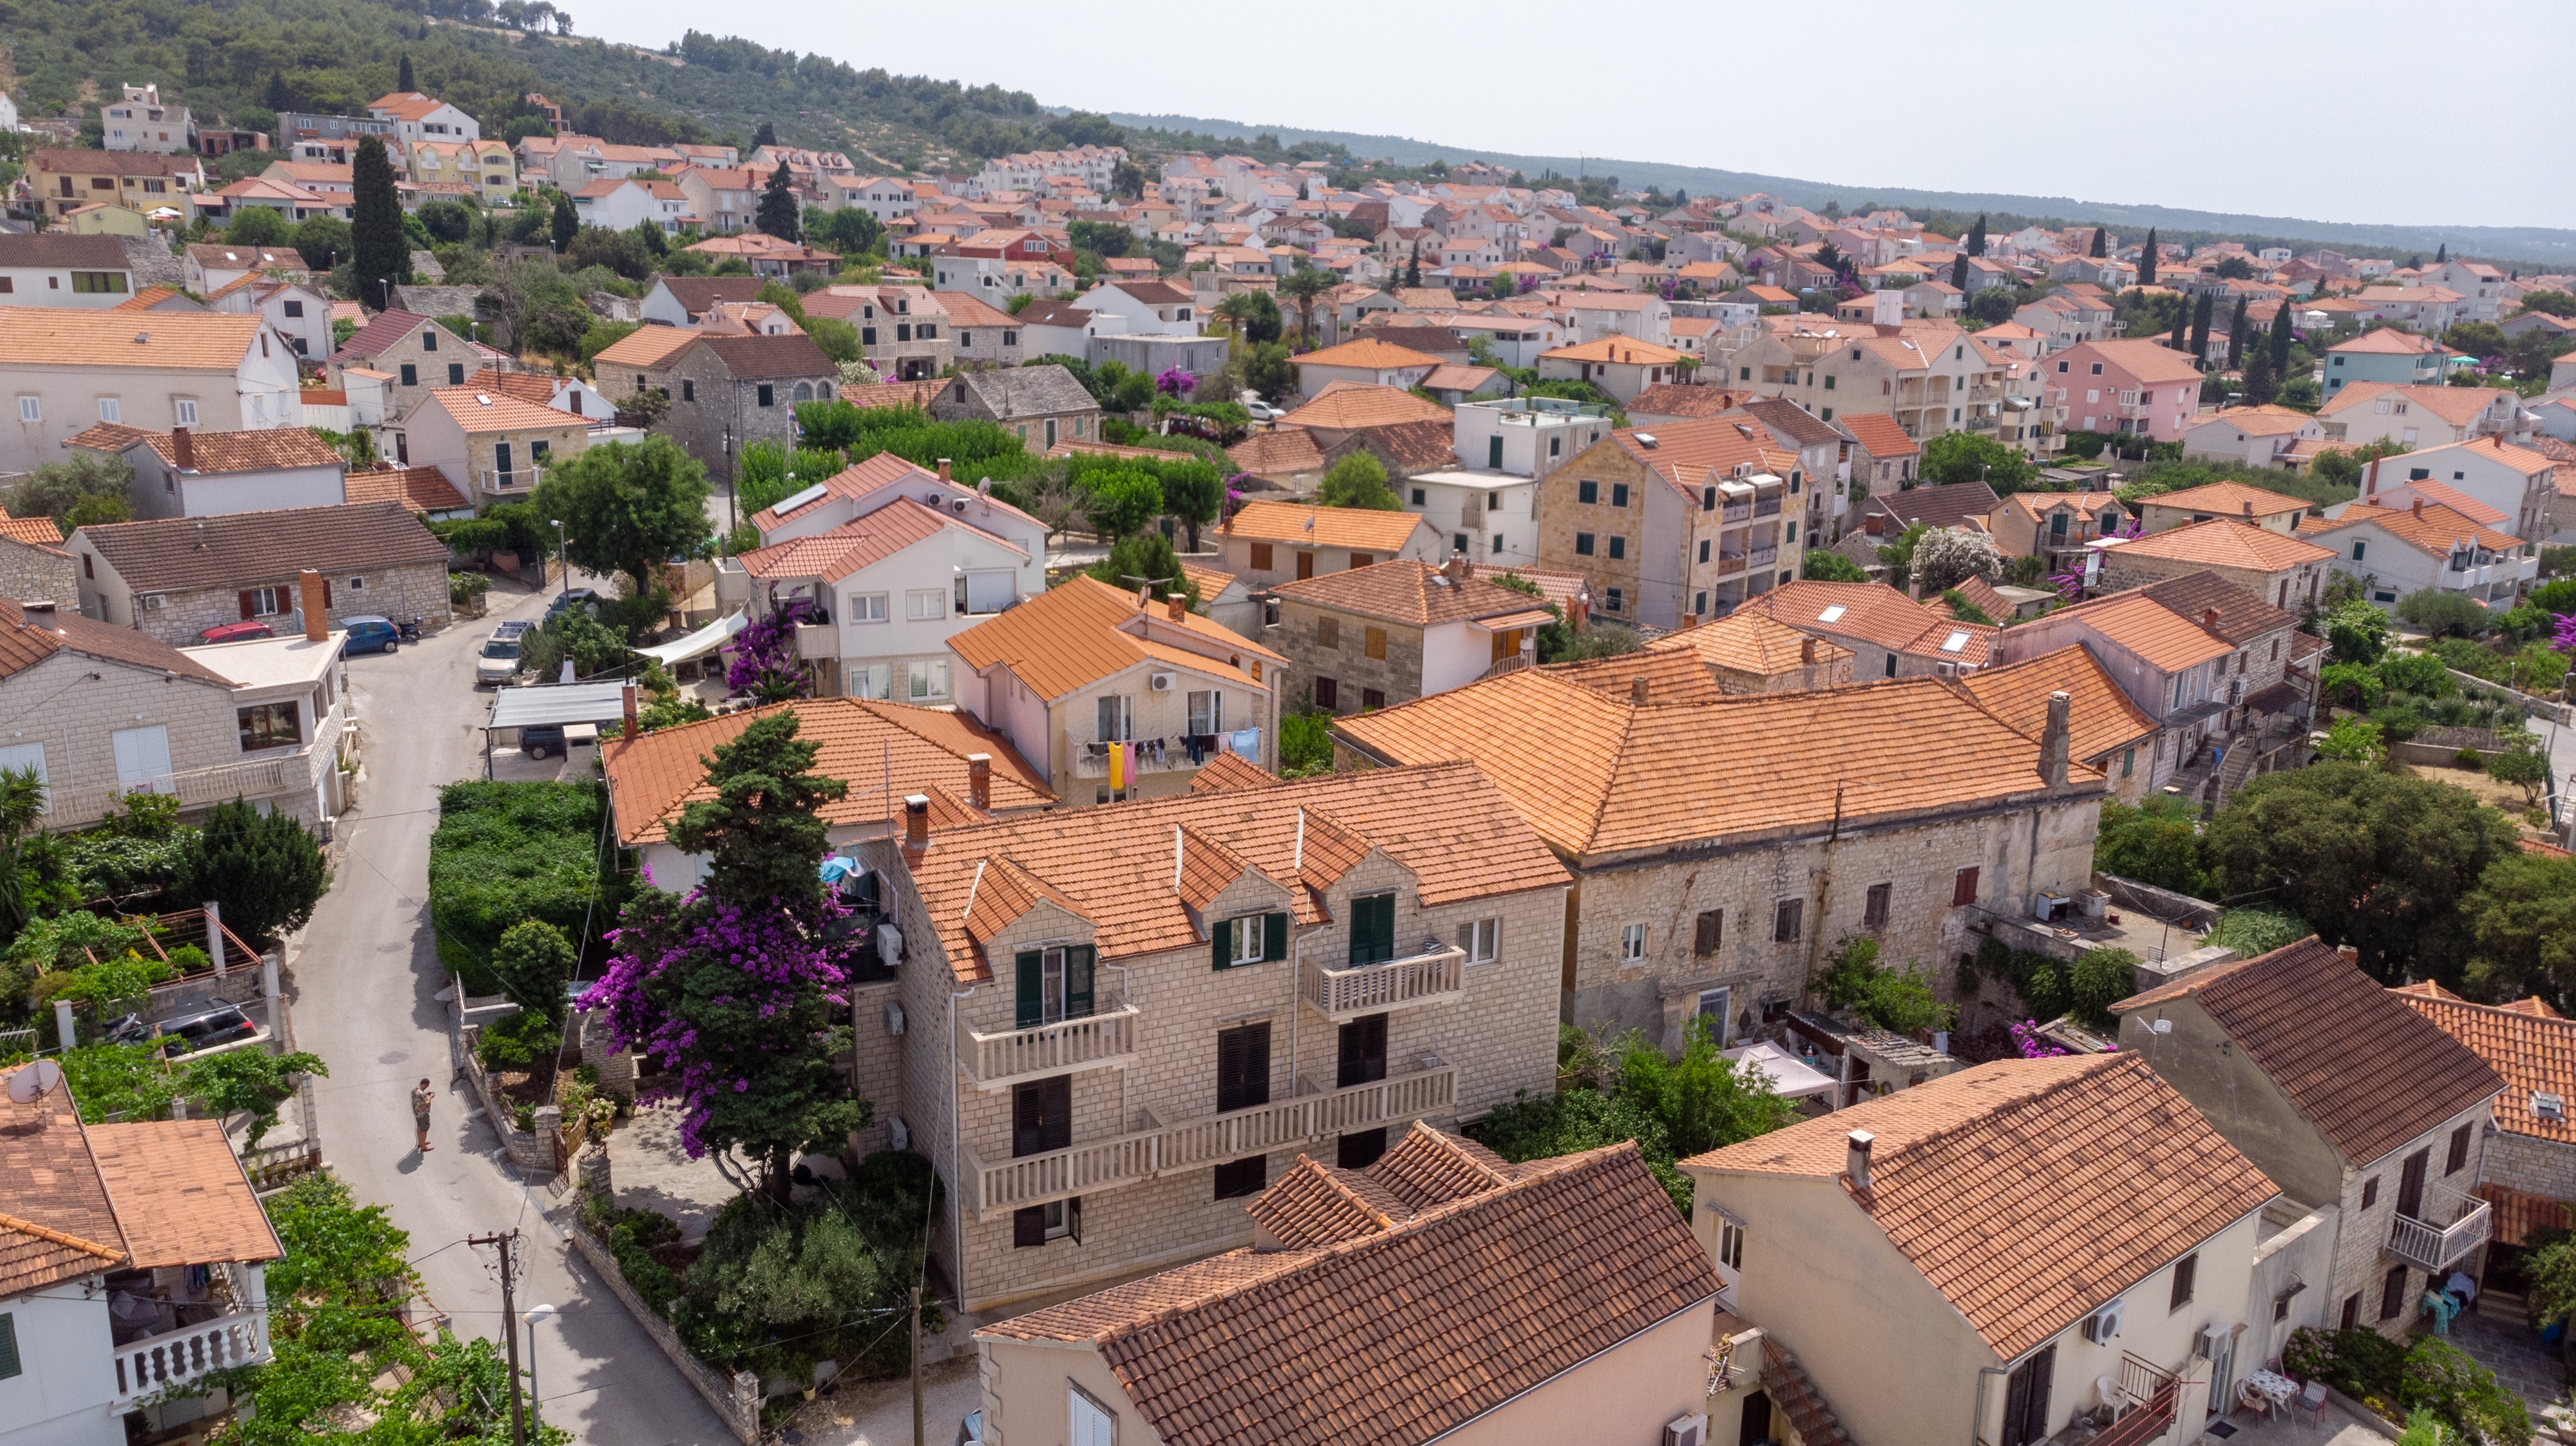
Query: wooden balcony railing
point(1312, 1114)
point(1104, 1039)
point(1436, 976)
point(2433, 1248)
point(155, 1364)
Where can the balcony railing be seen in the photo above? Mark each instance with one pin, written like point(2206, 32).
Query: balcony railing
point(1762, 556)
point(1767, 507)
point(1102, 1040)
point(818, 640)
point(517, 479)
point(1087, 764)
point(155, 1364)
point(289, 771)
point(1729, 562)
point(1735, 512)
point(2433, 1247)
point(1313, 1114)
point(1435, 976)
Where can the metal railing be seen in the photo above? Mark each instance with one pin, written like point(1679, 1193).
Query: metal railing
point(1088, 765)
point(1735, 512)
point(160, 1363)
point(516, 479)
point(1100, 1040)
point(2433, 1247)
point(1729, 563)
point(195, 788)
point(1762, 556)
point(1436, 976)
point(1313, 1114)
point(1767, 507)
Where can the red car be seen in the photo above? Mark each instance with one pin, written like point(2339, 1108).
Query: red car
point(236, 632)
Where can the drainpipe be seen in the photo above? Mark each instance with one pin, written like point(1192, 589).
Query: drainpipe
point(1824, 893)
point(956, 1156)
point(1125, 998)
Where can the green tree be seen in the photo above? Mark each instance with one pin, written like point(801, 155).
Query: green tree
point(1358, 480)
point(2357, 632)
point(2445, 614)
point(2200, 320)
point(2281, 339)
point(2376, 860)
point(2262, 384)
point(322, 241)
point(1977, 238)
point(252, 1082)
point(2522, 929)
point(626, 507)
point(1146, 554)
point(1822, 565)
point(76, 484)
point(2236, 335)
point(22, 803)
point(402, 77)
point(763, 136)
point(1898, 1000)
point(1974, 457)
point(1194, 492)
point(1304, 286)
point(263, 867)
point(2146, 258)
point(1959, 272)
point(1122, 501)
point(2101, 242)
point(257, 226)
point(1268, 370)
point(564, 223)
point(378, 249)
point(763, 831)
point(2522, 763)
point(777, 214)
point(534, 961)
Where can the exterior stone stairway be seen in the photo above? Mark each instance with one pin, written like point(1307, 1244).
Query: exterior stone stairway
point(1785, 1381)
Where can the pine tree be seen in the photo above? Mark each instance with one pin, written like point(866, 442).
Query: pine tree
point(1413, 268)
point(278, 97)
point(565, 224)
point(2236, 337)
point(2200, 319)
point(402, 77)
point(778, 205)
point(2147, 260)
point(1959, 271)
point(767, 135)
point(2101, 245)
point(1977, 238)
point(377, 247)
point(2281, 342)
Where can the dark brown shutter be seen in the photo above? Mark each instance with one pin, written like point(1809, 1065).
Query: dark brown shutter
point(1243, 1067)
point(1963, 891)
point(2459, 1156)
point(1712, 928)
point(1028, 1227)
point(247, 606)
point(326, 592)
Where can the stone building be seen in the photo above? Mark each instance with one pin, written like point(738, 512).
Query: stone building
point(2104, 729)
point(1889, 634)
point(1269, 543)
point(2346, 1097)
point(728, 392)
point(1900, 812)
point(2528, 1170)
point(34, 565)
point(1394, 631)
point(1043, 404)
point(175, 577)
point(1693, 519)
point(1749, 652)
point(1120, 1023)
point(2283, 571)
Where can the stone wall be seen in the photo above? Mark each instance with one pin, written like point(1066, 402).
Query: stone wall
point(37, 574)
point(1300, 638)
point(410, 590)
point(2361, 1260)
point(736, 1400)
point(2530, 1164)
point(533, 1152)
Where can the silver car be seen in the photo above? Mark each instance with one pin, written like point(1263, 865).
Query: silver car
point(499, 661)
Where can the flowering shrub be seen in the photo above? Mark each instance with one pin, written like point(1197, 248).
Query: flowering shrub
point(2032, 1044)
point(761, 660)
point(1176, 383)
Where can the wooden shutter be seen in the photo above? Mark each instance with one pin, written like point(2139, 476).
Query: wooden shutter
point(1963, 889)
point(1712, 931)
point(1028, 1227)
point(1363, 1051)
point(1073, 1219)
point(2410, 1185)
point(1274, 936)
point(2459, 1156)
point(1243, 1067)
point(1373, 929)
point(326, 592)
point(249, 606)
point(1042, 1116)
point(2186, 1274)
point(1077, 981)
point(2392, 1293)
point(1222, 933)
point(1032, 986)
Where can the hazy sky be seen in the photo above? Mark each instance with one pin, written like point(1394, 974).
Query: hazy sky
point(2363, 111)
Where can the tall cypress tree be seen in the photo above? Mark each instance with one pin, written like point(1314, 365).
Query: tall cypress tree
point(1959, 271)
point(2281, 341)
point(278, 96)
point(376, 244)
point(2236, 337)
point(767, 135)
point(2200, 319)
point(2101, 247)
point(2147, 260)
point(2182, 325)
point(2442, 254)
point(1977, 238)
point(778, 205)
point(2262, 383)
point(564, 224)
point(402, 77)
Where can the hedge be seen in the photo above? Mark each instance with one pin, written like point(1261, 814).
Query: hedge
point(509, 852)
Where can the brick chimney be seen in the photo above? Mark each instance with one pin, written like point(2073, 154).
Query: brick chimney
point(2350, 954)
point(1856, 1162)
point(1807, 651)
point(1177, 606)
point(1689, 621)
point(1457, 568)
point(1637, 690)
point(2417, 507)
point(2209, 619)
point(1871, 524)
point(634, 724)
point(916, 826)
point(309, 596)
point(943, 469)
point(979, 780)
point(2053, 741)
point(183, 449)
point(2249, 509)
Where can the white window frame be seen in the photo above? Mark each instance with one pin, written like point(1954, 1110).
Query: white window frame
point(1215, 710)
point(1480, 939)
point(926, 678)
point(1088, 1423)
point(1245, 940)
point(1632, 944)
point(31, 409)
point(184, 410)
point(867, 607)
point(1723, 998)
point(111, 409)
point(915, 599)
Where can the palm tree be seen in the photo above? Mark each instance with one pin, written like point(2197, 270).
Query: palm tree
point(1237, 309)
point(1303, 286)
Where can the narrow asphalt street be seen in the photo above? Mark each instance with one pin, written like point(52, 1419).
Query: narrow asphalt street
point(364, 986)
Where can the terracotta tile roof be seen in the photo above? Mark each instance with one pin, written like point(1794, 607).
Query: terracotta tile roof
point(965, 310)
point(218, 452)
point(2389, 341)
point(1794, 425)
point(1114, 866)
point(1315, 1204)
point(1210, 581)
point(1347, 406)
point(151, 297)
point(650, 779)
point(1429, 1166)
point(39, 531)
point(1977, 593)
point(180, 1195)
point(1880, 436)
point(63, 249)
point(2434, 528)
point(1353, 527)
point(2242, 617)
point(1685, 399)
point(2518, 1215)
point(1282, 451)
point(1598, 776)
point(1672, 676)
point(479, 412)
point(1081, 631)
point(1290, 1347)
point(58, 1224)
point(697, 293)
point(2144, 359)
point(248, 549)
point(1367, 353)
point(164, 340)
point(2524, 460)
point(1615, 350)
point(855, 481)
point(748, 358)
point(2138, 623)
point(2458, 501)
point(1750, 641)
point(1228, 771)
point(1563, 589)
point(2100, 720)
point(2015, 1188)
point(2534, 1052)
point(421, 489)
point(1686, 452)
point(2458, 406)
point(2304, 1014)
point(1946, 505)
point(223, 256)
point(1880, 615)
point(2226, 542)
point(2231, 499)
point(1428, 340)
point(1405, 591)
point(873, 538)
point(1451, 377)
point(29, 635)
point(382, 333)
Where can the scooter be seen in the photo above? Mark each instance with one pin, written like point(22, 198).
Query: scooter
point(408, 631)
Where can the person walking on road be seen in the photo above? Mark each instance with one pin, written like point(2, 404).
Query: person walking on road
point(421, 1095)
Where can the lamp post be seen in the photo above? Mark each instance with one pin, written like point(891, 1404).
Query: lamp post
point(563, 557)
point(535, 1315)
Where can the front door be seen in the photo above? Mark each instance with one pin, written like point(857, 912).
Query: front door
point(2026, 1400)
point(2221, 1348)
point(1507, 644)
point(1305, 566)
point(1363, 1051)
point(1042, 1116)
point(1494, 452)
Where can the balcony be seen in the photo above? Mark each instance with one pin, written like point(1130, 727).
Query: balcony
point(1767, 507)
point(1735, 512)
point(1729, 563)
point(818, 640)
point(516, 479)
point(1105, 1039)
point(1432, 977)
point(285, 772)
point(1173, 759)
point(167, 1363)
point(1981, 422)
point(2433, 1247)
point(1763, 556)
point(1313, 1114)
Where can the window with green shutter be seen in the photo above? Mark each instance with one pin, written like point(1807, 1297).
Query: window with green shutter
point(1032, 988)
point(1274, 936)
point(1251, 939)
point(1053, 985)
point(1373, 929)
point(9, 1365)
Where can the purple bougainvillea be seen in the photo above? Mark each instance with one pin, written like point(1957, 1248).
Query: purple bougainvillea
point(1176, 383)
point(2565, 641)
point(2027, 1038)
point(761, 661)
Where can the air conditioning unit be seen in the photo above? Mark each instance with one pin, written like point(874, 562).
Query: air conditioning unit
point(2103, 1324)
point(893, 1017)
point(958, 506)
point(154, 602)
point(1686, 1431)
point(1163, 682)
point(1945, 670)
point(931, 498)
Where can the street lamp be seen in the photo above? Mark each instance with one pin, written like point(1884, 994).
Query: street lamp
point(533, 1316)
point(563, 555)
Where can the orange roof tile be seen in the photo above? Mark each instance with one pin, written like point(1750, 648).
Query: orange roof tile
point(1879, 435)
point(650, 779)
point(215, 452)
point(1405, 591)
point(59, 1223)
point(1615, 350)
point(1307, 526)
point(2231, 499)
point(422, 489)
point(2015, 1151)
point(2100, 716)
point(2164, 638)
point(2431, 528)
point(2534, 1053)
point(1283, 451)
point(161, 340)
point(2144, 359)
point(1368, 353)
point(1880, 615)
point(479, 412)
point(39, 531)
point(2226, 542)
point(1750, 641)
point(1081, 631)
point(180, 1195)
point(645, 347)
point(1685, 452)
point(2458, 406)
point(2455, 499)
point(873, 538)
point(1348, 406)
point(1229, 770)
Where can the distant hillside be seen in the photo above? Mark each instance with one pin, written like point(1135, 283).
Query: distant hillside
point(2531, 247)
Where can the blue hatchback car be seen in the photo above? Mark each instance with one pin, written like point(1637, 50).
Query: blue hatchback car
point(370, 635)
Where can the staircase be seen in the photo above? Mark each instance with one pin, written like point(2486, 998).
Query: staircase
point(2504, 1307)
point(1785, 1381)
point(2237, 767)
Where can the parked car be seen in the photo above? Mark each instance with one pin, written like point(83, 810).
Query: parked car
point(586, 599)
point(205, 1029)
point(499, 660)
point(542, 740)
point(511, 628)
point(371, 635)
point(1262, 411)
point(236, 632)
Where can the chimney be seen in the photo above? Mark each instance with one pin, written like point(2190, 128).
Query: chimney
point(979, 781)
point(634, 726)
point(1856, 1164)
point(309, 594)
point(2417, 507)
point(183, 449)
point(2209, 619)
point(943, 469)
point(916, 826)
point(2053, 742)
point(2350, 954)
point(1914, 588)
point(1873, 523)
point(1689, 621)
point(1177, 606)
point(1457, 568)
point(1807, 651)
point(1637, 690)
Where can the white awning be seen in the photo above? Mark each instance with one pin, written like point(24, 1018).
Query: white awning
point(704, 640)
point(1790, 1078)
point(559, 703)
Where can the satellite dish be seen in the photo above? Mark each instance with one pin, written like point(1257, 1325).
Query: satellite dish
point(34, 1082)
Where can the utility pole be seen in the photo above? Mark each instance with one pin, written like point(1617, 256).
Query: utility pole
point(917, 1438)
point(509, 1331)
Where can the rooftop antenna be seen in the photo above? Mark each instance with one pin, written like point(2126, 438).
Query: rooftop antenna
point(34, 1082)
